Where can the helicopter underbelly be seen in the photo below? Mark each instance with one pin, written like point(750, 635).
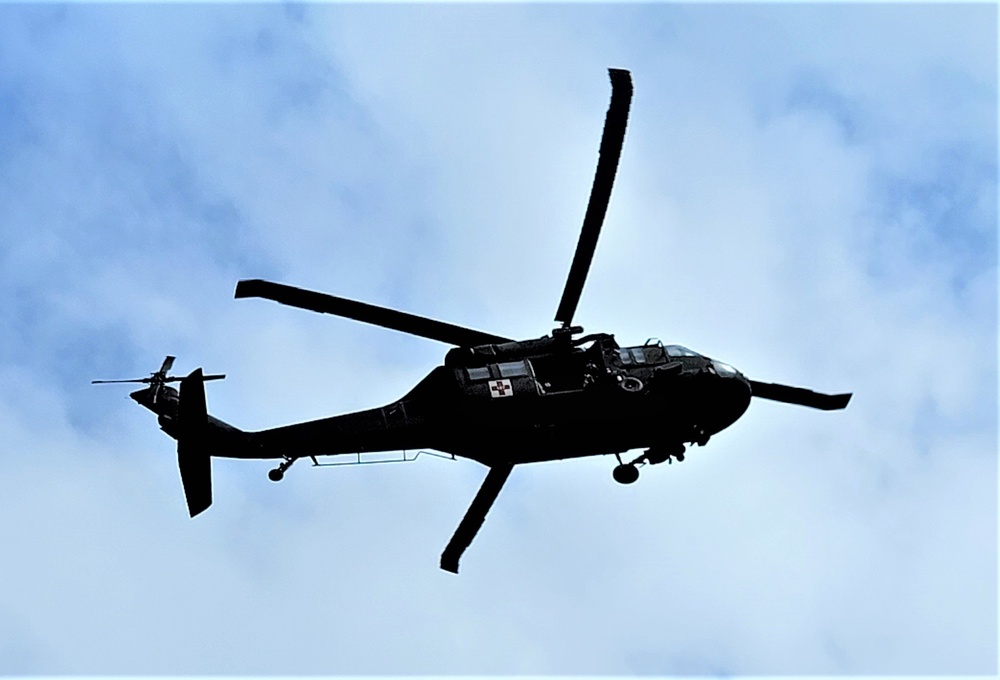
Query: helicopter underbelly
point(592, 422)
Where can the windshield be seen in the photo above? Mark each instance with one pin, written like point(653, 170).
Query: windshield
point(678, 351)
point(725, 370)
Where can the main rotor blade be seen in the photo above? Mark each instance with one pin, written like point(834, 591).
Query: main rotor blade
point(600, 192)
point(800, 396)
point(364, 312)
point(474, 516)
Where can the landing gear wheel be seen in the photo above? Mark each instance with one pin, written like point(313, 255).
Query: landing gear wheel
point(278, 473)
point(625, 474)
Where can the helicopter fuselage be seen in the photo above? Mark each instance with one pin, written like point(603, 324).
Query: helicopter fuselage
point(538, 400)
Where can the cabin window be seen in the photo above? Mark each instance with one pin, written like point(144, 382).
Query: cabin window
point(632, 355)
point(478, 373)
point(654, 354)
point(513, 369)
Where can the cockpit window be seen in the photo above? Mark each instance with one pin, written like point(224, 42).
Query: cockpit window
point(479, 373)
point(678, 351)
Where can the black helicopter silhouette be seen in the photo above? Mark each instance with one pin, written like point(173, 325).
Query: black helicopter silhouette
point(495, 400)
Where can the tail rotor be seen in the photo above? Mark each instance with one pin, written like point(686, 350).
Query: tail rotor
point(184, 416)
point(158, 379)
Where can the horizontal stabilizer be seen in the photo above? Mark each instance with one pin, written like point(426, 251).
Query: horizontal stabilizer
point(800, 396)
point(474, 516)
point(193, 457)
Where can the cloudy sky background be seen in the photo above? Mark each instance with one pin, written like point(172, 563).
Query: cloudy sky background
point(806, 192)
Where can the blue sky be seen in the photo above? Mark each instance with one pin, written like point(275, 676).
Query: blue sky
point(808, 192)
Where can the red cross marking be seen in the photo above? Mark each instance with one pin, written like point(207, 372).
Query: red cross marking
point(499, 388)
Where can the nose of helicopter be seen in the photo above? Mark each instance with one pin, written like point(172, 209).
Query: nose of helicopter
point(733, 395)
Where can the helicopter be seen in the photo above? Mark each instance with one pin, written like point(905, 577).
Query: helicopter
point(495, 400)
